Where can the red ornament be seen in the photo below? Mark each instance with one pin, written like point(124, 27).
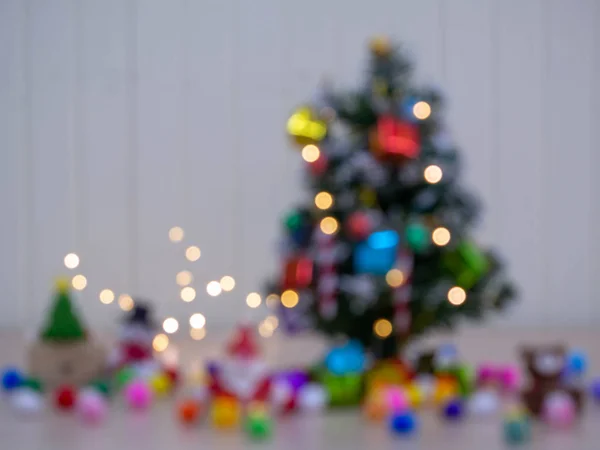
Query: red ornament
point(298, 273)
point(396, 138)
point(359, 225)
point(65, 397)
point(318, 167)
point(189, 411)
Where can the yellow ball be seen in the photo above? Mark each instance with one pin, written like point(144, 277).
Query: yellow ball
point(415, 395)
point(161, 384)
point(381, 46)
point(225, 413)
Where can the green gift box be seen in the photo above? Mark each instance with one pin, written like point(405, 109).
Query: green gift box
point(343, 390)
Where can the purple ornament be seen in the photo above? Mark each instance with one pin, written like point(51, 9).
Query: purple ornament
point(295, 378)
point(595, 390)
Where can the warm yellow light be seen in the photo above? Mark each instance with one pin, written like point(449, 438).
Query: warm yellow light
point(107, 296)
point(192, 253)
point(289, 298)
point(457, 296)
point(433, 174)
point(323, 200)
point(79, 282)
point(310, 153)
point(422, 110)
point(188, 294)
point(125, 302)
point(176, 234)
point(253, 300)
point(382, 328)
point(265, 330)
point(394, 278)
point(440, 236)
point(184, 278)
point(273, 321)
point(71, 261)
point(170, 325)
point(227, 283)
point(160, 342)
point(272, 300)
point(329, 225)
point(197, 320)
point(213, 288)
point(198, 333)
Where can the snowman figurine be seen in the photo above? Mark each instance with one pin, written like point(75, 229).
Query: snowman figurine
point(136, 335)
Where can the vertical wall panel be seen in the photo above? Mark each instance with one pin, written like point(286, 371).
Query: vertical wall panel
point(567, 110)
point(595, 207)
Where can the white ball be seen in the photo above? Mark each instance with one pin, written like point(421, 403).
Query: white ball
point(484, 403)
point(27, 401)
point(312, 398)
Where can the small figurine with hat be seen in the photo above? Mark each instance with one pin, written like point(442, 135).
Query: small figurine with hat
point(136, 335)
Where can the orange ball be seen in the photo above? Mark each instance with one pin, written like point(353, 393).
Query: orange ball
point(189, 411)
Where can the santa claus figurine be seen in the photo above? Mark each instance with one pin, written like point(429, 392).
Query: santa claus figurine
point(242, 375)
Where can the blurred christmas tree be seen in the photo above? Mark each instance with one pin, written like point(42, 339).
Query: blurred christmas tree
point(382, 254)
point(63, 323)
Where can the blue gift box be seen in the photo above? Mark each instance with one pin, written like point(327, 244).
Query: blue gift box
point(377, 255)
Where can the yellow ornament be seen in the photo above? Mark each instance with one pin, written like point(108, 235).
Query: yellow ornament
point(415, 395)
point(380, 46)
point(304, 127)
point(161, 384)
point(62, 284)
point(445, 389)
point(225, 412)
point(368, 197)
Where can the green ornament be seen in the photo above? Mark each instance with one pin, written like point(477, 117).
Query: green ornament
point(102, 386)
point(343, 390)
point(33, 383)
point(123, 376)
point(293, 220)
point(259, 426)
point(467, 263)
point(417, 236)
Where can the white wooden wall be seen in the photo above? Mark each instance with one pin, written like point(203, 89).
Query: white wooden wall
point(122, 118)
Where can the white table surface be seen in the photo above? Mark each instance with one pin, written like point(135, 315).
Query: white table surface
point(157, 428)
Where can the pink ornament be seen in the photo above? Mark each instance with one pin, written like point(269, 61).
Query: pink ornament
point(138, 394)
point(396, 399)
point(91, 406)
point(486, 374)
point(558, 410)
point(510, 378)
point(359, 225)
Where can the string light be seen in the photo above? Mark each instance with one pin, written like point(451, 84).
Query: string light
point(253, 300)
point(198, 334)
point(382, 328)
point(289, 298)
point(265, 330)
point(310, 153)
point(79, 282)
point(457, 295)
point(213, 288)
point(329, 225)
point(188, 294)
point(125, 302)
point(192, 253)
point(170, 325)
point(197, 320)
point(273, 321)
point(176, 234)
point(440, 236)
point(184, 278)
point(433, 174)
point(160, 342)
point(394, 278)
point(71, 261)
point(323, 200)
point(227, 283)
point(272, 300)
point(422, 110)
point(107, 296)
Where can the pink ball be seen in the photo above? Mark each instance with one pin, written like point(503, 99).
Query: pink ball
point(486, 373)
point(559, 410)
point(510, 378)
point(138, 394)
point(396, 399)
point(91, 406)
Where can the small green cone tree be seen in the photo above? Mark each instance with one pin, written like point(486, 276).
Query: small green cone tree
point(63, 323)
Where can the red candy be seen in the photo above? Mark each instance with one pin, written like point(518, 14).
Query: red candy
point(65, 397)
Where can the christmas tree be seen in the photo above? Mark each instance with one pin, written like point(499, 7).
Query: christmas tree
point(63, 323)
point(382, 252)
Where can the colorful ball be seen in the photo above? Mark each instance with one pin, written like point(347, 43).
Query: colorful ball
point(396, 399)
point(65, 397)
point(188, 411)
point(403, 423)
point(161, 384)
point(26, 401)
point(415, 394)
point(12, 379)
point(484, 403)
point(259, 426)
point(138, 395)
point(453, 409)
point(445, 389)
point(359, 225)
point(559, 410)
point(486, 374)
point(312, 397)
point(510, 378)
point(225, 412)
point(517, 431)
point(91, 406)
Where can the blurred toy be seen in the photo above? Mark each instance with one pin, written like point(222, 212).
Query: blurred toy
point(282, 396)
point(91, 406)
point(445, 356)
point(445, 389)
point(11, 379)
point(516, 428)
point(312, 397)
point(375, 406)
point(173, 374)
point(483, 402)
point(558, 410)
point(65, 353)
point(161, 384)
point(33, 383)
point(390, 372)
point(65, 397)
point(575, 368)
point(26, 401)
point(453, 409)
point(123, 377)
point(403, 423)
point(396, 399)
point(595, 390)
point(504, 377)
point(102, 386)
point(225, 412)
point(342, 390)
point(138, 395)
point(188, 411)
point(346, 359)
point(415, 395)
point(545, 366)
point(258, 424)
point(136, 335)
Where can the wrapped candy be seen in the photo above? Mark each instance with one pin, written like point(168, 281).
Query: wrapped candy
point(304, 127)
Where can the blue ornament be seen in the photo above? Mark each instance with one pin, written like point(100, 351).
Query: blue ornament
point(517, 430)
point(576, 363)
point(403, 423)
point(377, 254)
point(454, 409)
point(347, 359)
point(11, 379)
